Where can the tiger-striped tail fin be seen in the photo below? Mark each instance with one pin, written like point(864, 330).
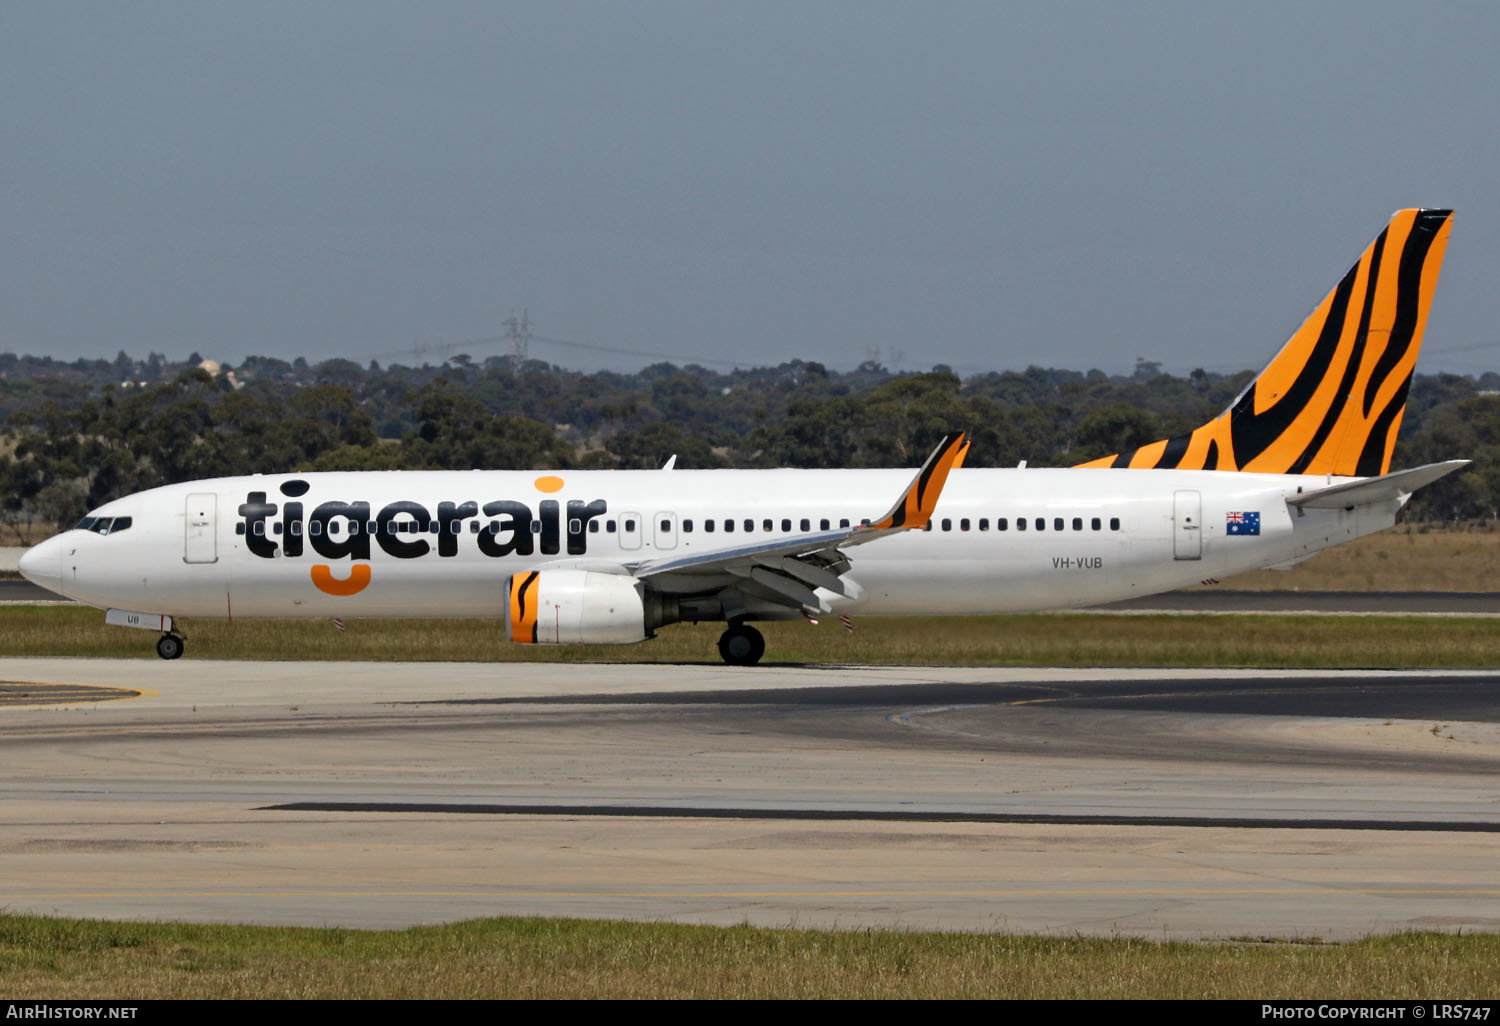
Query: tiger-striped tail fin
point(1332, 399)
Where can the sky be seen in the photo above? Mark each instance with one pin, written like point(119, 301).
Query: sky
point(983, 185)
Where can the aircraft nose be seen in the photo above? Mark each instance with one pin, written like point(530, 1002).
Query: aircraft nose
point(42, 565)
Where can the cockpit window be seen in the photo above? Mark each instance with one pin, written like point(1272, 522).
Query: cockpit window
point(103, 525)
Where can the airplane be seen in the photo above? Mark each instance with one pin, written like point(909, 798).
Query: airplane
point(1299, 462)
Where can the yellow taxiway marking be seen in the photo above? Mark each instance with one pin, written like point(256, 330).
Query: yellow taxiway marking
point(27, 692)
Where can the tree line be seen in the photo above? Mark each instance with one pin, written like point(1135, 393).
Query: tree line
point(78, 434)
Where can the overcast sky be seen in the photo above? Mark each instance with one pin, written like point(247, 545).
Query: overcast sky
point(987, 185)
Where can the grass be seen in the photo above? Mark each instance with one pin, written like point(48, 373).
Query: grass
point(1062, 639)
point(1406, 558)
point(566, 958)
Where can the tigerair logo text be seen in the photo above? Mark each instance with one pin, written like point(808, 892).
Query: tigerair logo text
point(406, 529)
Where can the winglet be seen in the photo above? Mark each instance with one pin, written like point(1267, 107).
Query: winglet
point(915, 506)
point(958, 460)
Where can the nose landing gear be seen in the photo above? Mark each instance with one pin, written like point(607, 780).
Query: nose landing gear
point(170, 646)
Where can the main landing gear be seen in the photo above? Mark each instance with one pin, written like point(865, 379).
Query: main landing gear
point(742, 645)
point(170, 646)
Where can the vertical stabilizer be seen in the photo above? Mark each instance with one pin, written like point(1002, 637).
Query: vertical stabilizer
point(1332, 399)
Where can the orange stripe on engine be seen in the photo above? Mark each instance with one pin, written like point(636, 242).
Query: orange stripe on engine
point(523, 608)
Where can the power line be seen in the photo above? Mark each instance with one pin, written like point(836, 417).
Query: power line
point(638, 352)
point(519, 336)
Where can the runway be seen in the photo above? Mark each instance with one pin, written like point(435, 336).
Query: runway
point(1152, 803)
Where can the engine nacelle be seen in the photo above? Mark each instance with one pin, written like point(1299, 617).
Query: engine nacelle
point(575, 607)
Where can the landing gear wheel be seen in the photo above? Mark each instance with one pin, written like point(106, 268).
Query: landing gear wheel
point(169, 646)
point(742, 645)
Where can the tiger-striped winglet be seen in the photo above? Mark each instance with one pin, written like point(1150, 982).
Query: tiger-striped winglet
point(1332, 399)
point(914, 508)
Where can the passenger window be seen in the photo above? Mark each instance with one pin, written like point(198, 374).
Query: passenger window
point(239, 528)
point(1078, 523)
point(984, 523)
point(765, 525)
point(844, 523)
point(575, 526)
point(963, 525)
point(927, 526)
point(947, 524)
point(786, 525)
point(1094, 523)
point(593, 527)
point(708, 525)
point(729, 527)
point(295, 528)
point(276, 528)
point(1041, 523)
point(806, 524)
point(1057, 523)
point(823, 524)
point(630, 527)
point(687, 527)
point(1020, 523)
point(609, 527)
point(260, 527)
point(1003, 523)
point(1114, 523)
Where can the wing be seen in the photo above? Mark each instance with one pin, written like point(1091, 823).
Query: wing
point(785, 572)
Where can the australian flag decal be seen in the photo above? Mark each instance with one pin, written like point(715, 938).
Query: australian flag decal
point(1242, 523)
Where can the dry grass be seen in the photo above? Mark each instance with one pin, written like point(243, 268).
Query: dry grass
point(559, 958)
point(1403, 559)
point(1076, 639)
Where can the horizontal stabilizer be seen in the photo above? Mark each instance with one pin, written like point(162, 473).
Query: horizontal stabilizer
point(1375, 489)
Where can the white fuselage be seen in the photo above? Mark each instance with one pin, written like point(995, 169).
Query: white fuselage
point(443, 544)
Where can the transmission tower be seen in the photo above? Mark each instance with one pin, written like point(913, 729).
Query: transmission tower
point(518, 333)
